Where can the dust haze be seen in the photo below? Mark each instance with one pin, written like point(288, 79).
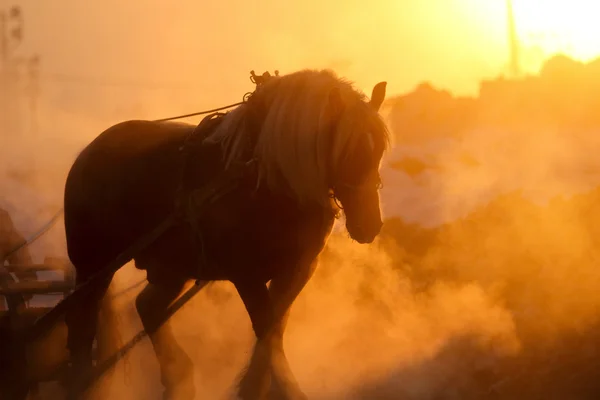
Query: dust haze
point(484, 282)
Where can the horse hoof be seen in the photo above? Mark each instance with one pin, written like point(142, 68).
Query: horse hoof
point(286, 391)
point(254, 387)
point(180, 385)
point(279, 395)
point(76, 380)
point(181, 392)
point(252, 394)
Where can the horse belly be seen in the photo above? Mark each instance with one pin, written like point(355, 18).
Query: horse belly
point(177, 256)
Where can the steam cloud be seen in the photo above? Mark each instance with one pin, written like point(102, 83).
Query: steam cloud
point(484, 282)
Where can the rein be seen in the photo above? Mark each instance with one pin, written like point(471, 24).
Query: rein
point(214, 110)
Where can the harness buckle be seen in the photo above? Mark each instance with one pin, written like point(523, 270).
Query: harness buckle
point(259, 80)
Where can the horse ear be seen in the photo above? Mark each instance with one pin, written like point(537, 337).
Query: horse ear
point(335, 104)
point(378, 95)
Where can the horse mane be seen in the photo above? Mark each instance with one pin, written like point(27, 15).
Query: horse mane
point(293, 143)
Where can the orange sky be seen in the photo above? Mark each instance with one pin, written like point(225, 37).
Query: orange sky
point(212, 45)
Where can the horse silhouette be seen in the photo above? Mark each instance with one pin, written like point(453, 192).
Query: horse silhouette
point(303, 148)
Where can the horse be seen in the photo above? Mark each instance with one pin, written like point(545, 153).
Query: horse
point(302, 150)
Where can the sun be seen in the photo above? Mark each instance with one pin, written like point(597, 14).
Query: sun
point(569, 27)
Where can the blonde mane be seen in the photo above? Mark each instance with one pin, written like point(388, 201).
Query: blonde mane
point(294, 145)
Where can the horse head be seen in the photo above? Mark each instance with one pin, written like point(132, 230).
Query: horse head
point(356, 181)
point(316, 138)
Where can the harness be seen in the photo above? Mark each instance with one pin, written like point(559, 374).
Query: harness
point(191, 204)
point(187, 208)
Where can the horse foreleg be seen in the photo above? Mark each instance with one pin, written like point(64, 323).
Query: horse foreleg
point(255, 382)
point(269, 312)
point(176, 368)
point(283, 291)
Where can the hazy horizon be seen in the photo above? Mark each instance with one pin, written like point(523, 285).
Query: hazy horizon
point(468, 277)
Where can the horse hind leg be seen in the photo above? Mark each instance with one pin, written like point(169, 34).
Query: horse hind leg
point(176, 368)
point(81, 320)
point(108, 343)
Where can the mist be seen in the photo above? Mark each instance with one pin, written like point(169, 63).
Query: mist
point(484, 281)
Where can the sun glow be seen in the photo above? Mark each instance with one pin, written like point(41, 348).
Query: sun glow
point(547, 27)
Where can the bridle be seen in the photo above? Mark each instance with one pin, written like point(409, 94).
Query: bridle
point(364, 186)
